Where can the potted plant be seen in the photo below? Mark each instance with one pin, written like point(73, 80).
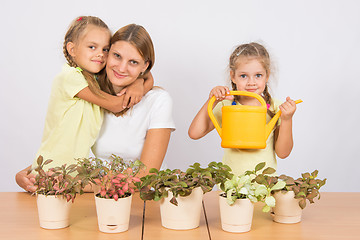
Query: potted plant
point(240, 194)
point(116, 181)
point(180, 193)
point(56, 190)
point(292, 198)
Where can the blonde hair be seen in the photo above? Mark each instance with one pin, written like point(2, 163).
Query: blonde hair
point(137, 36)
point(259, 52)
point(76, 29)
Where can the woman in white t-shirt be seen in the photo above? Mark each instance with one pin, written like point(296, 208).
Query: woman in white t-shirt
point(143, 131)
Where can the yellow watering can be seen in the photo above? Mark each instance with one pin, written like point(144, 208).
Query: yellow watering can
point(244, 126)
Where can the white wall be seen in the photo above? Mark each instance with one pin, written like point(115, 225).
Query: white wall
point(315, 45)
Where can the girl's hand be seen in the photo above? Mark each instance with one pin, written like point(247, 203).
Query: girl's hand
point(26, 181)
point(133, 93)
point(220, 93)
point(288, 109)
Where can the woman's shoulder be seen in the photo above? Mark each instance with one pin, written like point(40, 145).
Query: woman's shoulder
point(157, 93)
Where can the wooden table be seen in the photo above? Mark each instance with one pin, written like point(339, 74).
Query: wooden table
point(335, 216)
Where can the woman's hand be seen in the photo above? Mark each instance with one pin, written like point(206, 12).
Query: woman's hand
point(26, 181)
point(220, 93)
point(133, 93)
point(288, 109)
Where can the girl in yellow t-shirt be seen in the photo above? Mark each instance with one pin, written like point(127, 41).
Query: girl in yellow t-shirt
point(249, 71)
point(75, 115)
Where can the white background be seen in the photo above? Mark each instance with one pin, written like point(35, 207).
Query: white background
point(314, 45)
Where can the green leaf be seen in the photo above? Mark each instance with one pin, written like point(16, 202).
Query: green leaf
point(183, 184)
point(300, 194)
point(279, 185)
point(315, 173)
point(260, 166)
point(95, 172)
point(47, 161)
point(266, 208)
point(269, 170)
point(302, 203)
point(322, 183)
point(153, 170)
point(270, 201)
point(261, 190)
point(174, 201)
point(305, 175)
point(260, 179)
point(39, 160)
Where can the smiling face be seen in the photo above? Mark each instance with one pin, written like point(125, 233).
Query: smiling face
point(250, 75)
point(124, 64)
point(90, 51)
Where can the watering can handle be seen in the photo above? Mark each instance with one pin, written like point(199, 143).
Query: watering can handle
point(243, 93)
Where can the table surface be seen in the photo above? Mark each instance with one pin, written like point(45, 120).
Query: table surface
point(334, 216)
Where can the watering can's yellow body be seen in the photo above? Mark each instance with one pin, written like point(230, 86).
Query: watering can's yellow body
point(244, 126)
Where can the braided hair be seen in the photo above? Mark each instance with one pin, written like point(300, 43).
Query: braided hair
point(253, 50)
point(76, 29)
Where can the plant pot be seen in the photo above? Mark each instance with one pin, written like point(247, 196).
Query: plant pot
point(113, 216)
point(287, 209)
point(53, 211)
point(236, 218)
point(184, 216)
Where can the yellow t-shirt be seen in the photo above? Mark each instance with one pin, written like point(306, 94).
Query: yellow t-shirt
point(72, 124)
point(241, 160)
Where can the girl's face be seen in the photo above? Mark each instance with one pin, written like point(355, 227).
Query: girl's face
point(249, 75)
point(124, 64)
point(91, 50)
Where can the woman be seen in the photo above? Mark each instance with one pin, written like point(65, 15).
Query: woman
point(142, 132)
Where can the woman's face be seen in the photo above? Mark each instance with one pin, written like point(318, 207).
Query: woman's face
point(124, 64)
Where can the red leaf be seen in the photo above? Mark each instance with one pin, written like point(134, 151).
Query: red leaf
point(121, 175)
point(136, 179)
point(126, 187)
point(102, 192)
point(115, 181)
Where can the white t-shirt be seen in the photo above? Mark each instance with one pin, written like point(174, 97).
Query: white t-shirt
point(125, 135)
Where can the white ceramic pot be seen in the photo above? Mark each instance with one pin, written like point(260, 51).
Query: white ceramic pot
point(113, 216)
point(53, 211)
point(236, 218)
point(184, 216)
point(287, 209)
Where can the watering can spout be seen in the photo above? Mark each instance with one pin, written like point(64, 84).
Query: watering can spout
point(269, 127)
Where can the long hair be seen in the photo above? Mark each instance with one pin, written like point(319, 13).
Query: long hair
point(137, 36)
point(76, 29)
point(258, 51)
